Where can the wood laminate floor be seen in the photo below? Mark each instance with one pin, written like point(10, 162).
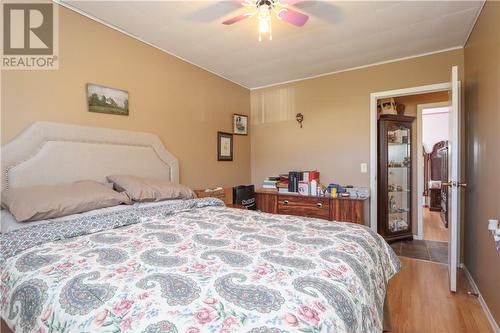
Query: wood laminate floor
point(434, 228)
point(419, 301)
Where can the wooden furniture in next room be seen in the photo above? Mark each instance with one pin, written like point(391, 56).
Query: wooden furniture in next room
point(436, 160)
point(435, 199)
point(394, 177)
point(334, 209)
point(443, 155)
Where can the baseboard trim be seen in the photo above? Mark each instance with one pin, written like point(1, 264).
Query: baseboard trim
point(486, 310)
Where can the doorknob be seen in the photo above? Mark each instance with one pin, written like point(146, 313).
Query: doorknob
point(450, 183)
point(462, 184)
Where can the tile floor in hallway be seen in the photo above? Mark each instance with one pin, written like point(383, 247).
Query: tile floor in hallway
point(422, 249)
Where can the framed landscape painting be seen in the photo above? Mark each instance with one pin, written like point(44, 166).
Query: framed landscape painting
point(224, 146)
point(107, 100)
point(240, 124)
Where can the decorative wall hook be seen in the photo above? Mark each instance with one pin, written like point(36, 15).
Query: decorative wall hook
point(299, 117)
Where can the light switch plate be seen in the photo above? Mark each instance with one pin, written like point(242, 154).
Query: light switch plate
point(364, 168)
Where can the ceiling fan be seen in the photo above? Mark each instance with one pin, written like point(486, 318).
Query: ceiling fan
point(264, 9)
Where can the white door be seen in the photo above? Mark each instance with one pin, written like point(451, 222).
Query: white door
point(454, 185)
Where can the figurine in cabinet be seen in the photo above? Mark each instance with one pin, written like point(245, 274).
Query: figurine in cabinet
point(392, 204)
point(398, 224)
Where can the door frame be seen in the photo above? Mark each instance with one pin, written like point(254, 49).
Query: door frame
point(420, 164)
point(446, 86)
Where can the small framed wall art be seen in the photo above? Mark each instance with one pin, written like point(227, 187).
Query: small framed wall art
point(240, 124)
point(224, 146)
point(107, 100)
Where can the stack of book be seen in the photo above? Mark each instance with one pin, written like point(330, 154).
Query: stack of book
point(282, 184)
point(302, 182)
point(270, 182)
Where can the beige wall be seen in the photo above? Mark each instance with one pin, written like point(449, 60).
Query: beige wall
point(183, 104)
point(482, 95)
point(413, 101)
point(335, 138)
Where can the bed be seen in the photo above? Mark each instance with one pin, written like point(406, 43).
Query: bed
point(179, 265)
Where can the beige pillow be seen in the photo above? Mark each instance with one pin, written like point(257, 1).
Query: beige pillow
point(47, 202)
point(143, 189)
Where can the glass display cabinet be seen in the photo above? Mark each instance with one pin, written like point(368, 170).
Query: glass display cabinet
point(394, 177)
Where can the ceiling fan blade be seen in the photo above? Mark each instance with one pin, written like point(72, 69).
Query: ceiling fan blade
point(294, 17)
point(236, 19)
point(247, 3)
point(290, 2)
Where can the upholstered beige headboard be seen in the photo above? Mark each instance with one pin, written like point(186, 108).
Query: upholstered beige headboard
point(51, 153)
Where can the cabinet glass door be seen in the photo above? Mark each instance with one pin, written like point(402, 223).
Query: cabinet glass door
point(398, 177)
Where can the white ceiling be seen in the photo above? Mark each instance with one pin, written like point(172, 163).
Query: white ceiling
point(339, 34)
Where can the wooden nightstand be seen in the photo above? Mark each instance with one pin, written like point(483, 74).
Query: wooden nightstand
point(225, 194)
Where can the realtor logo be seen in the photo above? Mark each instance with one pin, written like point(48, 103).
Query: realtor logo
point(29, 35)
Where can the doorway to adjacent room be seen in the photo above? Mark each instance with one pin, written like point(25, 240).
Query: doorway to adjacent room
point(414, 187)
point(432, 171)
point(388, 131)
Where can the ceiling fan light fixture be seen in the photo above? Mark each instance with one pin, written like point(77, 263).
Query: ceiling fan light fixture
point(265, 27)
point(264, 17)
point(265, 9)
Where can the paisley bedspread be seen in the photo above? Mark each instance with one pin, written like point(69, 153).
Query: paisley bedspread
point(194, 266)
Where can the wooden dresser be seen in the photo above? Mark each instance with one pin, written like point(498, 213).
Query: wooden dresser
point(334, 209)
